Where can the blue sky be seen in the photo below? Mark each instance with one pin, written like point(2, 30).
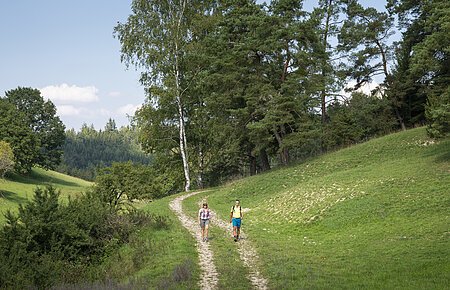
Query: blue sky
point(66, 50)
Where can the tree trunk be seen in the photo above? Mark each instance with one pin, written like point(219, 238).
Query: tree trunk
point(183, 141)
point(399, 118)
point(284, 152)
point(265, 165)
point(201, 165)
point(252, 163)
point(323, 93)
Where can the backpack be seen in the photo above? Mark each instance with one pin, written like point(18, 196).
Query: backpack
point(240, 210)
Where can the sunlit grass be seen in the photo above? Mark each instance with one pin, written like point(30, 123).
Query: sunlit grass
point(370, 216)
point(18, 189)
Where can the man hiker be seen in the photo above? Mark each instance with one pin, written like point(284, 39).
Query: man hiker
point(235, 218)
point(204, 214)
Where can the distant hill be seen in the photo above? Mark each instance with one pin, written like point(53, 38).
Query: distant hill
point(89, 149)
point(372, 216)
point(17, 189)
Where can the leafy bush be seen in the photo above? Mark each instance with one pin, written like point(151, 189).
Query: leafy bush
point(126, 181)
point(6, 158)
point(49, 243)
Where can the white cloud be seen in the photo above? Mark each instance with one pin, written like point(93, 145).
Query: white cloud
point(65, 93)
point(67, 110)
point(366, 88)
point(104, 112)
point(128, 109)
point(114, 94)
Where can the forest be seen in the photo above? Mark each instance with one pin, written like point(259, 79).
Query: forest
point(89, 150)
point(235, 88)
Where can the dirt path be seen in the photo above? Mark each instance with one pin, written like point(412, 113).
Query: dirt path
point(209, 277)
point(247, 254)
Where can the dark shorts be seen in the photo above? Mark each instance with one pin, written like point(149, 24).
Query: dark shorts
point(204, 222)
point(237, 222)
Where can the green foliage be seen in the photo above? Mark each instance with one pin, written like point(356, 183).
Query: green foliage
point(17, 189)
point(88, 150)
point(422, 72)
point(124, 182)
point(41, 118)
point(6, 158)
point(49, 242)
point(15, 130)
point(243, 82)
point(438, 115)
point(362, 118)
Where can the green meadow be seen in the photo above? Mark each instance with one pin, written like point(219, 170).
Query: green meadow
point(371, 216)
point(374, 215)
point(18, 189)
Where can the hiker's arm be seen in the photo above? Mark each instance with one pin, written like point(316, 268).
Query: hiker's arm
point(231, 216)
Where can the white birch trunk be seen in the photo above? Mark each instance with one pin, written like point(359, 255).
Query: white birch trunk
point(182, 131)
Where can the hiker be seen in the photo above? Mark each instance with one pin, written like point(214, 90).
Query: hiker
point(235, 218)
point(204, 214)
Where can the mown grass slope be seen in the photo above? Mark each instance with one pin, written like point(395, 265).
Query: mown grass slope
point(17, 189)
point(375, 215)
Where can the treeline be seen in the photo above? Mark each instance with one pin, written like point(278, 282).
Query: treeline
point(235, 87)
point(88, 150)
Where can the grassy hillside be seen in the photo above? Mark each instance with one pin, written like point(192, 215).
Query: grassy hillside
point(375, 215)
point(18, 189)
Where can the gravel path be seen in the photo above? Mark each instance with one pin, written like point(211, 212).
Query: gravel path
point(209, 276)
point(247, 253)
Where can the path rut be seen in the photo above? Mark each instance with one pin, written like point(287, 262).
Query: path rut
point(209, 277)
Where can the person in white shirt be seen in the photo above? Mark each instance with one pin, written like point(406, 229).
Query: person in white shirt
point(204, 214)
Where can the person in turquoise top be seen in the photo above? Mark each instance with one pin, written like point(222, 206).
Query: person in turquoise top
point(236, 218)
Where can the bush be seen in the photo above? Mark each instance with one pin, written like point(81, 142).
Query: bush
point(49, 243)
point(6, 158)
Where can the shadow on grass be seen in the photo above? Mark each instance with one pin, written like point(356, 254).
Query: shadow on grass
point(12, 197)
point(39, 179)
point(440, 151)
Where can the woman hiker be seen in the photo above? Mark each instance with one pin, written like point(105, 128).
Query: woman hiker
point(235, 218)
point(204, 214)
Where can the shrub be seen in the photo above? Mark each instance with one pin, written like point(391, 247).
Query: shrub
point(6, 158)
point(48, 242)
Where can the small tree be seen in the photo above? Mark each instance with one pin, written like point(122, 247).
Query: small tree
point(6, 158)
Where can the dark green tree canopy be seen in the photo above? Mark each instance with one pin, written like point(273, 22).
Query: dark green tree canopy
point(41, 118)
point(15, 130)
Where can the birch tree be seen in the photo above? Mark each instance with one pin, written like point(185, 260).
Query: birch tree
point(154, 38)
